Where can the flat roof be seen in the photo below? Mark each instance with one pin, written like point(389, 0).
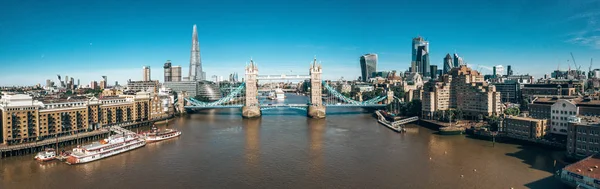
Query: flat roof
point(586, 167)
point(524, 118)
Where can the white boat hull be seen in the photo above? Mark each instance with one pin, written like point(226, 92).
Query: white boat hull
point(163, 137)
point(106, 153)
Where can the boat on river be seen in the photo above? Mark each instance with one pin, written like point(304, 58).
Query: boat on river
point(158, 135)
point(46, 155)
point(110, 146)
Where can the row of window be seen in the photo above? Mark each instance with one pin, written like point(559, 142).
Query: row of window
point(563, 112)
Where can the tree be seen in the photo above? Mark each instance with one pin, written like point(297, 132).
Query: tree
point(398, 91)
point(415, 107)
point(494, 122)
point(524, 104)
point(512, 111)
point(459, 114)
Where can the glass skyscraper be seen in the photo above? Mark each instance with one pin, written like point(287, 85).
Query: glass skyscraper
point(368, 66)
point(420, 56)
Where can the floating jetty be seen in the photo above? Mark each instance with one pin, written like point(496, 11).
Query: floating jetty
point(397, 126)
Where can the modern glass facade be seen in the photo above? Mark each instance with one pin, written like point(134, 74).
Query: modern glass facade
point(368, 66)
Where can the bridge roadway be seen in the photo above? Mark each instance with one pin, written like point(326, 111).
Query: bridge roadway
point(272, 106)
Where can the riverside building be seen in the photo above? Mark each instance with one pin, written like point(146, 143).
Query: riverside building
point(23, 119)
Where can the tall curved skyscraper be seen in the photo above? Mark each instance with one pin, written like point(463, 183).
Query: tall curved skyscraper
point(196, 73)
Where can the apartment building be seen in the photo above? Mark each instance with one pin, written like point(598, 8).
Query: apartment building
point(466, 90)
point(525, 127)
point(24, 119)
point(583, 137)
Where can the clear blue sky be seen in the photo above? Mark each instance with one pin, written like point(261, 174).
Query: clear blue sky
point(39, 39)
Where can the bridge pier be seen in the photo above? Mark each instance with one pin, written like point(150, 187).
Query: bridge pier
point(251, 112)
point(316, 111)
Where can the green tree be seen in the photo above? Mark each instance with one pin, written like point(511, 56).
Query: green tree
point(512, 111)
point(524, 104)
point(493, 122)
point(414, 107)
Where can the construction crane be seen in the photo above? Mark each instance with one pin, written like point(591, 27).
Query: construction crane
point(590, 69)
point(577, 68)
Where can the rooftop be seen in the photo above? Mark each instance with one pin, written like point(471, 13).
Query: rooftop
point(523, 118)
point(586, 167)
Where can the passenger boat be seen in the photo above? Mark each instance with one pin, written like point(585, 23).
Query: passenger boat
point(277, 94)
point(46, 155)
point(158, 135)
point(110, 146)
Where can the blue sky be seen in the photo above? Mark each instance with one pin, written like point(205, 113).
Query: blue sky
point(39, 39)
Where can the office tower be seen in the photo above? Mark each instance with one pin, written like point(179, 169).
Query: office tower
point(104, 82)
point(146, 73)
point(72, 83)
point(420, 56)
point(433, 71)
point(176, 73)
point(448, 65)
point(509, 71)
point(196, 73)
point(168, 71)
point(497, 70)
point(368, 65)
point(457, 61)
point(48, 83)
point(78, 84)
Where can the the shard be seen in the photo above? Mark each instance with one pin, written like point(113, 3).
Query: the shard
point(196, 73)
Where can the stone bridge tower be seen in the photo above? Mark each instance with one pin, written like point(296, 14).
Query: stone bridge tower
point(316, 108)
point(251, 106)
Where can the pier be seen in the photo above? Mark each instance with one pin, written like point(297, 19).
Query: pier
point(395, 125)
point(38, 146)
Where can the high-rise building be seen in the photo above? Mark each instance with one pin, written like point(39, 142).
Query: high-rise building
point(176, 73)
point(168, 71)
point(368, 65)
point(48, 83)
point(433, 71)
point(146, 73)
point(448, 65)
point(509, 71)
point(497, 70)
point(458, 61)
point(104, 82)
point(94, 85)
point(196, 73)
point(420, 56)
point(423, 61)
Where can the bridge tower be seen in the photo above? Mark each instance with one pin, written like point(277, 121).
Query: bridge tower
point(390, 97)
point(316, 109)
point(251, 106)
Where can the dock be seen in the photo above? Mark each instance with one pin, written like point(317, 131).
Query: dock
point(64, 141)
point(395, 125)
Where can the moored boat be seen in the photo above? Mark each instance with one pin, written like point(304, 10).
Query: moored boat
point(110, 146)
point(46, 155)
point(158, 135)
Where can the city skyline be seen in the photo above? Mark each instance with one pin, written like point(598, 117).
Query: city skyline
point(87, 43)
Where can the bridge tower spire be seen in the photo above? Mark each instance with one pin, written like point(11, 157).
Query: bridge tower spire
point(251, 108)
point(316, 108)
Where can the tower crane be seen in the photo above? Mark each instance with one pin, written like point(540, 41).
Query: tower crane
point(577, 68)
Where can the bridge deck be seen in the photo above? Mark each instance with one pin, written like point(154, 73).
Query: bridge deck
point(286, 106)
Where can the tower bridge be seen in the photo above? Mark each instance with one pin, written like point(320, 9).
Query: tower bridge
point(322, 96)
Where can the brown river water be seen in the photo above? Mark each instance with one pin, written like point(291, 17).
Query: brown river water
point(285, 149)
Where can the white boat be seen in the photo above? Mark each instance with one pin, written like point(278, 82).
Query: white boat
point(158, 135)
point(46, 155)
point(277, 94)
point(113, 145)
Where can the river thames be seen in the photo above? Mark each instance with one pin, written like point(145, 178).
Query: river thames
point(285, 149)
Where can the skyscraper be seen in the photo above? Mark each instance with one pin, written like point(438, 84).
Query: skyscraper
point(457, 60)
point(498, 69)
point(448, 65)
point(176, 73)
point(368, 65)
point(420, 56)
point(196, 73)
point(146, 72)
point(433, 71)
point(168, 71)
point(509, 71)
